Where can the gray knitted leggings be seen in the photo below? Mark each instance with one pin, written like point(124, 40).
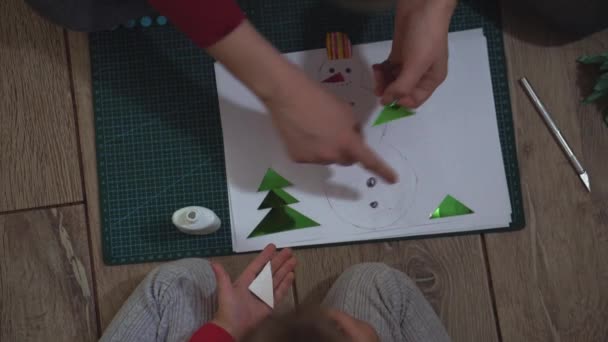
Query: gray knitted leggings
point(177, 298)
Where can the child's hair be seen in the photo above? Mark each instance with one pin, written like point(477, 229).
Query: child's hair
point(304, 325)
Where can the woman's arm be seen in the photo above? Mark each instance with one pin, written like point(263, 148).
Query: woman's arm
point(315, 126)
point(254, 61)
point(204, 21)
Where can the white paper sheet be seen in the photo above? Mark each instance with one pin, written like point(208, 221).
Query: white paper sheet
point(450, 146)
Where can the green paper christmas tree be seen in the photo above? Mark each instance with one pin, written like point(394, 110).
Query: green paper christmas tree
point(450, 207)
point(392, 112)
point(273, 180)
point(281, 217)
point(277, 198)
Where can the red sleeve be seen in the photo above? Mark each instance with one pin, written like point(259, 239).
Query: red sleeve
point(211, 333)
point(204, 21)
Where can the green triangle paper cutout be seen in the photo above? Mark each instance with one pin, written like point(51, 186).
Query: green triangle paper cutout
point(277, 198)
point(450, 207)
point(273, 180)
point(392, 112)
point(281, 220)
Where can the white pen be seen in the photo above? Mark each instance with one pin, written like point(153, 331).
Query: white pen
point(556, 132)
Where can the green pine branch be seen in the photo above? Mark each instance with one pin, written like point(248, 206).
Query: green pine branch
point(600, 91)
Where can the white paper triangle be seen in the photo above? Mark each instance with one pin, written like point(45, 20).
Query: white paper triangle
point(262, 286)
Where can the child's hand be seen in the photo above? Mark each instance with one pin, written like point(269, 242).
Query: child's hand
point(239, 309)
point(319, 128)
point(418, 61)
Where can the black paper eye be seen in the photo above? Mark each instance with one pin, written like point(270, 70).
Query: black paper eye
point(332, 70)
point(347, 70)
point(371, 182)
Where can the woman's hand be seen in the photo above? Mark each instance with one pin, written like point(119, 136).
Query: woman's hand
point(418, 61)
point(239, 309)
point(315, 126)
point(319, 128)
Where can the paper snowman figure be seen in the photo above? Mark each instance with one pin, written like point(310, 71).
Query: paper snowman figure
point(347, 78)
point(378, 205)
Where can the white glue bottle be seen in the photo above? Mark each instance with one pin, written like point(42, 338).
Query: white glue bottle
point(196, 220)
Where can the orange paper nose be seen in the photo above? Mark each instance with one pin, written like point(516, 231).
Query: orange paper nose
point(334, 78)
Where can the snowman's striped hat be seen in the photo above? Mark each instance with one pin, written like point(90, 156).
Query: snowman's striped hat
point(338, 46)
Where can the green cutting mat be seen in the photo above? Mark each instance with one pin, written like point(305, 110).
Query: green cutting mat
point(159, 139)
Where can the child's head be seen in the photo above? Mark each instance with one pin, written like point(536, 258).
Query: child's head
point(313, 324)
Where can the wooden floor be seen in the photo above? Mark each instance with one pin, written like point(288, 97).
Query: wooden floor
point(548, 282)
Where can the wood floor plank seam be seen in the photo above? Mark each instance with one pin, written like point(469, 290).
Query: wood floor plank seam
point(41, 207)
point(93, 273)
point(75, 113)
point(486, 261)
point(82, 182)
